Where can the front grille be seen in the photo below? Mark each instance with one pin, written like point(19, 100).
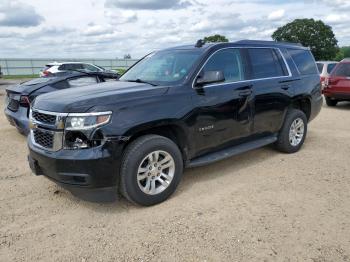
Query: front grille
point(44, 118)
point(13, 105)
point(44, 139)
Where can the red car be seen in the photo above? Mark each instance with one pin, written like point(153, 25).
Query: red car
point(337, 87)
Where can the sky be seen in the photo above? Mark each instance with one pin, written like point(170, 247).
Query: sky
point(113, 28)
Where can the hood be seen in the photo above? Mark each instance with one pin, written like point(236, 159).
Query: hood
point(30, 86)
point(81, 99)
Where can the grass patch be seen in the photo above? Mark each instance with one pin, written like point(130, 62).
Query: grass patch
point(19, 76)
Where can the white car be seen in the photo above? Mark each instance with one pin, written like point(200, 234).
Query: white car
point(325, 68)
point(55, 67)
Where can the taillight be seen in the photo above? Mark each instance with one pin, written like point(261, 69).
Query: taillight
point(46, 73)
point(24, 101)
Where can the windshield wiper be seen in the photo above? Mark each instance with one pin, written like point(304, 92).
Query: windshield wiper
point(141, 81)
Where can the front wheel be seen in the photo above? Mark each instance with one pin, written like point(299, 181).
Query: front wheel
point(293, 133)
point(151, 169)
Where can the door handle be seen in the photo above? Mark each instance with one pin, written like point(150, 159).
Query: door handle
point(245, 92)
point(285, 87)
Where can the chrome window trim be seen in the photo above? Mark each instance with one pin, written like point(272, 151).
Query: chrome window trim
point(248, 80)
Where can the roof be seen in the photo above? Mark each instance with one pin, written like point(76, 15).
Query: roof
point(347, 60)
point(61, 63)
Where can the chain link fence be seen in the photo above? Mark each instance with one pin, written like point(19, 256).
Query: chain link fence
point(23, 66)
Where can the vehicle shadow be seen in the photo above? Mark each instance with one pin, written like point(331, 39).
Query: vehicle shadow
point(191, 177)
point(227, 167)
point(342, 106)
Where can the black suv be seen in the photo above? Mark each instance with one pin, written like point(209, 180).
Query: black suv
point(181, 107)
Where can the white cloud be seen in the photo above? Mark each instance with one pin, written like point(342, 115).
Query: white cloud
point(276, 15)
point(121, 17)
point(112, 28)
point(18, 14)
point(93, 30)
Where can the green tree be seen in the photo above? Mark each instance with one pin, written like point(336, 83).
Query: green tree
point(215, 38)
point(344, 52)
point(314, 34)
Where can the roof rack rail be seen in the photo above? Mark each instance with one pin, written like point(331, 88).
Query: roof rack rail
point(200, 43)
point(267, 42)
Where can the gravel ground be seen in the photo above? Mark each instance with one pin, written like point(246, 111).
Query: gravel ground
point(259, 206)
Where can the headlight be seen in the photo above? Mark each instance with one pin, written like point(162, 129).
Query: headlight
point(80, 130)
point(87, 121)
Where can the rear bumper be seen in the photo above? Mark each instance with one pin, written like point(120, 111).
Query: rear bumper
point(336, 95)
point(18, 119)
point(90, 174)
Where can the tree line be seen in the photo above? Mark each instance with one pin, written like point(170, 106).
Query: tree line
point(308, 32)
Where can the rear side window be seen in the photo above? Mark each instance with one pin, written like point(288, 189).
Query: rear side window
point(342, 69)
point(304, 61)
point(71, 67)
point(330, 67)
point(82, 81)
point(229, 62)
point(265, 63)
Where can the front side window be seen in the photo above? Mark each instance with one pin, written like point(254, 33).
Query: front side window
point(304, 61)
point(228, 61)
point(164, 67)
point(82, 81)
point(266, 63)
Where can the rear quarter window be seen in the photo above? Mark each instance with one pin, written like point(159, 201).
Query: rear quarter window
point(304, 61)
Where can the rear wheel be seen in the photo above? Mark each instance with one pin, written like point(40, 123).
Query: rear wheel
point(331, 102)
point(151, 169)
point(293, 133)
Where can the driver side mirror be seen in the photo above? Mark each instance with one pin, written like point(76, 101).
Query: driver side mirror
point(209, 77)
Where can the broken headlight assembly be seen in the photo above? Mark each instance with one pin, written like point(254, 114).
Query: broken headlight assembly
point(81, 129)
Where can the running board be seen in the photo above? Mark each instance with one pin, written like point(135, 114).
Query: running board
point(231, 151)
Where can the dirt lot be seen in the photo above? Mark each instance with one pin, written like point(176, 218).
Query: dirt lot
point(259, 206)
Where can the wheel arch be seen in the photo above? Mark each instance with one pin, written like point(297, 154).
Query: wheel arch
point(166, 128)
point(303, 103)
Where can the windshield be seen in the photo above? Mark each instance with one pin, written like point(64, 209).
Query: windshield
point(36, 81)
point(342, 70)
point(163, 68)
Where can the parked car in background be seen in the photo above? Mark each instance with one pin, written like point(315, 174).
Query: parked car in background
point(325, 68)
point(0, 72)
point(21, 96)
point(337, 85)
point(186, 106)
point(55, 67)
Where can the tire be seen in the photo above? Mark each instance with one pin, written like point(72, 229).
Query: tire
point(139, 156)
point(331, 102)
point(285, 143)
